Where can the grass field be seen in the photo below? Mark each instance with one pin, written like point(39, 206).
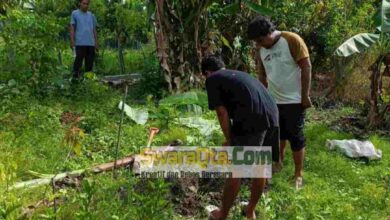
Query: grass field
point(32, 137)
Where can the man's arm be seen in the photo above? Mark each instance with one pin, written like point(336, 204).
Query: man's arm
point(71, 34)
point(96, 39)
point(305, 66)
point(224, 121)
point(262, 76)
point(95, 33)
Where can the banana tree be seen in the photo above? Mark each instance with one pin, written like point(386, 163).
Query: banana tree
point(230, 40)
point(178, 25)
point(363, 41)
point(180, 29)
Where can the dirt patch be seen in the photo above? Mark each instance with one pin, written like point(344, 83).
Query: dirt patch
point(184, 195)
point(189, 196)
point(68, 118)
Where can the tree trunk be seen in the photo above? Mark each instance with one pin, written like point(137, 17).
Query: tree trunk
point(374, 118)
point(178, 42)
point(59, 55)
point(121, 58)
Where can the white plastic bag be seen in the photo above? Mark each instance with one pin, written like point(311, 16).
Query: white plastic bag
point(355, 149)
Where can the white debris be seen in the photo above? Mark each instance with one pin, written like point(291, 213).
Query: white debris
point(355, 149)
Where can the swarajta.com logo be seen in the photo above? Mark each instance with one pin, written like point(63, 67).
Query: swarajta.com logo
point(205, 162)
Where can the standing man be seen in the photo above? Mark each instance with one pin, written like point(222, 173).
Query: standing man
point(248, 116)
point(83, 37)
point(284, 67)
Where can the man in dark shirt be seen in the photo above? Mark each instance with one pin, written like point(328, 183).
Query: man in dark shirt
point(248, 116)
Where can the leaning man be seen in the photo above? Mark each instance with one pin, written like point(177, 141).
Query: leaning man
point(248, 116)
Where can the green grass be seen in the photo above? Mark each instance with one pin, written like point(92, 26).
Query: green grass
point(32, 138)
point(335, 187)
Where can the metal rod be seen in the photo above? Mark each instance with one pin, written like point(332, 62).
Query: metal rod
point(119, 132)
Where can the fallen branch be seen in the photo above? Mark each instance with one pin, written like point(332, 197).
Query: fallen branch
point(48, 178)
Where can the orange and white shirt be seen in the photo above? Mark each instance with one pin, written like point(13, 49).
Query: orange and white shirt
point(280, 64)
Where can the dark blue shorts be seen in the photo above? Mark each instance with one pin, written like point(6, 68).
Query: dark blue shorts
point(291, 123)
point(269, 137)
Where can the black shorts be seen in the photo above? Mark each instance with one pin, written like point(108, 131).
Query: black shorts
point(291, 122)
point(269, 137)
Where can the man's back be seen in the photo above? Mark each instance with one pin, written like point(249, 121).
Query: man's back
point(247, 101)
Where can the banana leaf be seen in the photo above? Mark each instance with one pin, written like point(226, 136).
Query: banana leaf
point(232, 9)
point(206, 127)
point(357, 44)
point(258, 8)
point(140, 116)
point(187, 98)
point(386, 16)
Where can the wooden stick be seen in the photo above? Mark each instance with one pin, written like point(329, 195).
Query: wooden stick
point(47, 178)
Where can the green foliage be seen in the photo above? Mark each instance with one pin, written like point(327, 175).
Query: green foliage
point(128, 20)
point(229, 41)
point(385, 26)
point(324, 24)
point(32, 134)
point(152, 79)
point(361, 42)
point(31, 131)
point(85, 200)
point(35, 37)
point(187, 98)
point(168, 136)
point(348, 187)
point(9, 206)
point(141, 60)
point(124, 198)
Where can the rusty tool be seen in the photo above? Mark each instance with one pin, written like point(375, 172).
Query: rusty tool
point(152, 132)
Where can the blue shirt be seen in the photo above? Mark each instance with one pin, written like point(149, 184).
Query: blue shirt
point(84, 24)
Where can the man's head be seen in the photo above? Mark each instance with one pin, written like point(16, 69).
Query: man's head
point(84, 5)
point(211, 64)
point(260, 30)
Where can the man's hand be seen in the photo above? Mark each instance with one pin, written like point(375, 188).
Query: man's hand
point(72, 36)
point(96, 48)
point(224, 122)
point(306, 102)
point(305, 66)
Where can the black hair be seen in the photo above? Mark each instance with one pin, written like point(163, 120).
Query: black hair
point(260, 27)
point(212, 63)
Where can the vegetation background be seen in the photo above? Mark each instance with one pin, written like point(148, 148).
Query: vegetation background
point(49, 125)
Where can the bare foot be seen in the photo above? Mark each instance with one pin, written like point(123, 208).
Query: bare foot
point(217, 214)
point(250, 215)
point(297, 182)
